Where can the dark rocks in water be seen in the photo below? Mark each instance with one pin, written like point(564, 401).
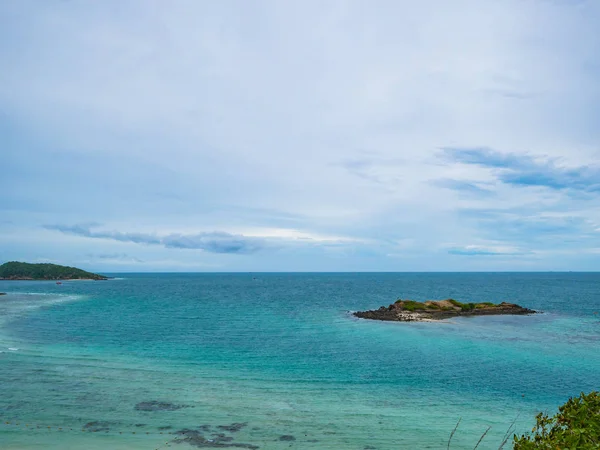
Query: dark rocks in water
point(2, 293)
point(168, 427)
point(192, 437)
point(411, 311)
point(221, 437)
point(157, 406)
point(140, 425)
point(97, 426)
point(219, 440)
point(234, 427)
point(287, 437)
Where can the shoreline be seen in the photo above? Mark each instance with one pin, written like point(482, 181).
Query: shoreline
point(53, 279)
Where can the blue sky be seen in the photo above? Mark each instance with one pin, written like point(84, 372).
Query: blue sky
point(143, 135)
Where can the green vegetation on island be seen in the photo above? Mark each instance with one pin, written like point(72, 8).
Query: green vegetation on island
point(444, 305)
point(24, 271)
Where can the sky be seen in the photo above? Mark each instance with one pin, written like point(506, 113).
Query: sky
point(194, 135)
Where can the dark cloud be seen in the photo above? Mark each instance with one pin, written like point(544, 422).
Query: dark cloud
point(486, 157)
point(523, 170)
point(214, 242)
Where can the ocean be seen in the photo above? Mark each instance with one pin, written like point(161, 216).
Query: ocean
point(277, 361)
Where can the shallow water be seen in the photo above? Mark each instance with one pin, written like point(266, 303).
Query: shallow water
point(280, 354)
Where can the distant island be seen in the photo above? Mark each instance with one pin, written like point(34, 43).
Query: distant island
point(411, 311)
point(24, 271)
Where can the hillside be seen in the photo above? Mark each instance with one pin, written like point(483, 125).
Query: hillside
point(24, 271)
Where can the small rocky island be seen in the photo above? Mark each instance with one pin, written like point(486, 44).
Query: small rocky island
point(411, 311)
point(24, 271)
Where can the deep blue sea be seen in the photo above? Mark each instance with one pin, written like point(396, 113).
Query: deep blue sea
point(276, 361)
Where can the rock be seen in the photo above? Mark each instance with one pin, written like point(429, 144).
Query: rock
point(287, 437)
point(221, 437)
point(410, 311)
point(234, 427)
point(158, 406)
point(97, 426)
point(2, 293)
point(196, 439)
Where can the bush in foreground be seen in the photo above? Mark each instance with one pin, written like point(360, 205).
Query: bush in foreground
point(575, 426)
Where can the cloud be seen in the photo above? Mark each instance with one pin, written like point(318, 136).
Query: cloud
point(532, 226)
point(214, 242)
point(249, 242)
point(476, 250)
point(372, 168)
point(307, 134)
point(486, 157)
point(466, 187)
point(114, 257)
point(524, 170)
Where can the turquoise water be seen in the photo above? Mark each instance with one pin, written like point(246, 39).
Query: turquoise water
point(280, 354)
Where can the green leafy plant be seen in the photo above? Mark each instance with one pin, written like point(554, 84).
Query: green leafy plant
point(463, 306)
point(410, 305)
point(484, 305)
point(575, 426)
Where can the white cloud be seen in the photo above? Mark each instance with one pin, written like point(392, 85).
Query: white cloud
point(296, 235)
point(318, 121)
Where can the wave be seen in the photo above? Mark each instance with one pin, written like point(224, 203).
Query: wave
point(10, 294)
point(16, 304)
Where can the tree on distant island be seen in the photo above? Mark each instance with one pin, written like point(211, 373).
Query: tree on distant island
point(15, 270)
